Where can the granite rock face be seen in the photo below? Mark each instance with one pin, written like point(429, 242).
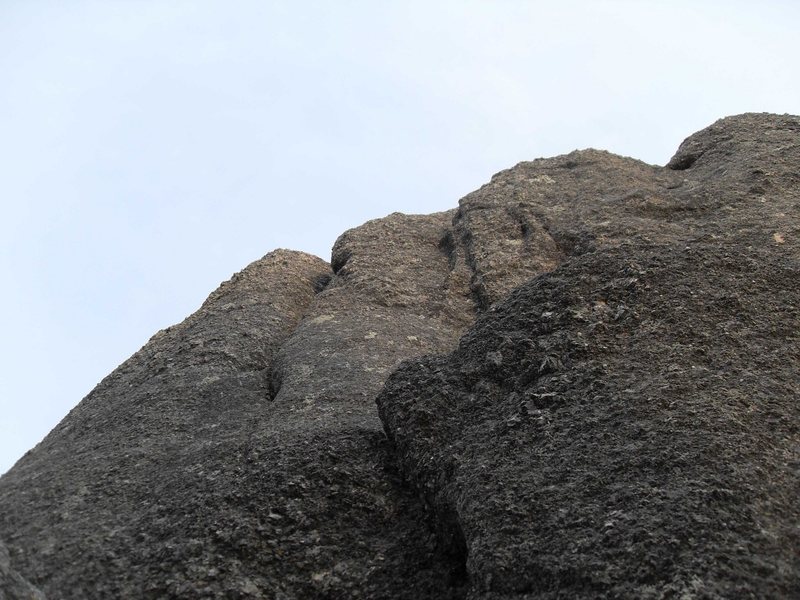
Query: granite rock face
point(619, 421)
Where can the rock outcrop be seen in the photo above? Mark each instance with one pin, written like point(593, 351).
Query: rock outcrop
point(619, 421)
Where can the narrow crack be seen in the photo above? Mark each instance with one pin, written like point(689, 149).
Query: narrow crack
point(480, 296)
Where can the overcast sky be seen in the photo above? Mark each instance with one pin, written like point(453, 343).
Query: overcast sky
point(150, 149)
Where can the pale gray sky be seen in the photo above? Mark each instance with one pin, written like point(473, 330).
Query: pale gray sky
point(150, 149)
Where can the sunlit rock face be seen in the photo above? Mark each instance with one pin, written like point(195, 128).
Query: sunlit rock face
point(586, 379)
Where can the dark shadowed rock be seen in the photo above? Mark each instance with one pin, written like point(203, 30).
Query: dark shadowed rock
point(619, 422)
point(627, 425)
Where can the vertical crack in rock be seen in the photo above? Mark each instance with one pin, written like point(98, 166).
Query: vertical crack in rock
point(504, 240)
point(321, 282)
point(395, 297)
point(476, 284)
point(447, 245)
point(399, 292)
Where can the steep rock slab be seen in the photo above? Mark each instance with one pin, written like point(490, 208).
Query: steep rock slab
point(627, 425)
point(136, 493)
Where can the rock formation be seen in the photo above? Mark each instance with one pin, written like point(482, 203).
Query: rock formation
point(586, 381)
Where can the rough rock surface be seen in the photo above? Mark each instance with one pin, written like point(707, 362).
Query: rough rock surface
point(135, 491)
point(12, 584)
point(627, 424)
point(620, 421)
point(240, 454)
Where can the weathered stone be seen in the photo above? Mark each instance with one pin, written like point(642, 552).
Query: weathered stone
point(620, 421)
point(626, 425)
point(137, 492)
point(213, 464)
